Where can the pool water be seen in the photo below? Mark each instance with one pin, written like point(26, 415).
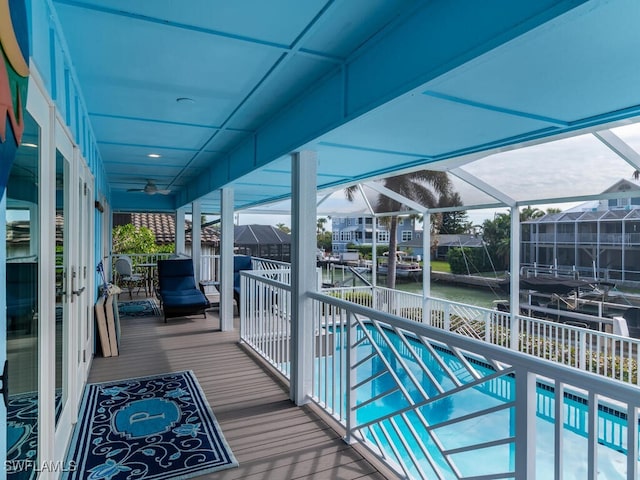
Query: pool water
point(446, 419)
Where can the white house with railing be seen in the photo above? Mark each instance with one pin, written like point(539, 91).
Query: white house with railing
point(358, 230)
point(599, 238)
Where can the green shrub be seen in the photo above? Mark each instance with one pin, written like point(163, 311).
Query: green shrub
point(468, 261)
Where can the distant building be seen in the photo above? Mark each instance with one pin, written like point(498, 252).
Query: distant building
point(264, 241)
point(359, 231)
point(601, 237)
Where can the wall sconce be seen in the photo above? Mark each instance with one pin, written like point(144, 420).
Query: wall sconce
point(99, 206)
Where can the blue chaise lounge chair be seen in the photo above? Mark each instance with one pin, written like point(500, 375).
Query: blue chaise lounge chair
point(177, 290)
point(240, 262)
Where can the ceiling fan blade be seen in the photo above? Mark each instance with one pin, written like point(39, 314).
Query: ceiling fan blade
point(163, 192)
point(135, 190)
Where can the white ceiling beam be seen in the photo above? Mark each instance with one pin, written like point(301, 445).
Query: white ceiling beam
point(483, 186)
point(397, 197)
point(366, 200)
point(619, 147)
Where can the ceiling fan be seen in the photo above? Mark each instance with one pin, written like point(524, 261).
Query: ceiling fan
point(150, 189)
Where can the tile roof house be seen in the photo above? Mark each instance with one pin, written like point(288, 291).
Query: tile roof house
point(163, 225)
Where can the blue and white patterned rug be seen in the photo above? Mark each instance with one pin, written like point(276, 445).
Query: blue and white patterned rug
point(139, 308)
point(22, 434)
point(159, 427)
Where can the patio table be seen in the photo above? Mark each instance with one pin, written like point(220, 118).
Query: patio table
point(148, 275)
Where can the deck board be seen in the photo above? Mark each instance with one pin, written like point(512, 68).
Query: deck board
point(268, 434)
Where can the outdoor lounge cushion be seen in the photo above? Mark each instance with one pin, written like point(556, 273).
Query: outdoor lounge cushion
point(177, 289)
point(240, 262)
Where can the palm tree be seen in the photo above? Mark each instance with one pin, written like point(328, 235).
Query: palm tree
point(320, 225)
point(425, 187)
point(530, 213)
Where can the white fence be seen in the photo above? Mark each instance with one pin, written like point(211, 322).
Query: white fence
point(435, 405)
point(210, 266)
point(590, 350)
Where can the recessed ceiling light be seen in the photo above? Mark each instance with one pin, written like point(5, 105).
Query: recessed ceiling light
point(30, 145)
point(185, 100)
point(154, 155)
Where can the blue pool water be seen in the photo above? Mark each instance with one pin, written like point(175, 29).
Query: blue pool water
point(446, 417)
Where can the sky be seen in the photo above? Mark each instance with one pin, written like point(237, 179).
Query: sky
point(567, 168)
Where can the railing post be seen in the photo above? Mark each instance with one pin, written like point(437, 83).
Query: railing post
point(350, 379)
point(488, 319)
point(447, 317)
point(632, 439)
point(582, 342)
point(525, 425)
point(514, 328)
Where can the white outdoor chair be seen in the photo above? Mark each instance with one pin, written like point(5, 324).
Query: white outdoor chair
point(126, 277)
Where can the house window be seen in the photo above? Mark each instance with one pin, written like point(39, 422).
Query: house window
point(335, 236)
point(623, 202)
point(383, 237)
point(407, 236)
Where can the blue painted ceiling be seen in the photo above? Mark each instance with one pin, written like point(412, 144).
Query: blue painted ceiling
point(373, 86)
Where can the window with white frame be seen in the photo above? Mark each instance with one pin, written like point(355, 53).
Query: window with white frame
point(383, 236)
point(407, 235)
point(345, 236)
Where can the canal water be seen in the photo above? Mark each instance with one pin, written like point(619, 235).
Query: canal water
point(480, 297)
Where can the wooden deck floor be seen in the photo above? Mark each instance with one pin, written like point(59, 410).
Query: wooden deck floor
point(270, 437)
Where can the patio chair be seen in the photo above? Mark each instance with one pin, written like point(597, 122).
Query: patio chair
point(179, 296)
point(240, 262)
point(126, 277)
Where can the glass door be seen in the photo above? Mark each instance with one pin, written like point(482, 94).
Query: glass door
point(24, 314)
point(84, 273)
point(66, 325)
point(62, 282)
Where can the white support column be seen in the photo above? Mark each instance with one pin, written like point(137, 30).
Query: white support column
point(180, 243)
point(374, 252)
point(303, 247)
point(226, 260)
point(196, 239)
point(426, 267)
point(514, 262)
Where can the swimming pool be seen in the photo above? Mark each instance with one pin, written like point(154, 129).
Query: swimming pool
point(439, 415)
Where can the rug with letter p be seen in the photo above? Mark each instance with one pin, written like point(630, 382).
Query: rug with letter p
point(159, 427)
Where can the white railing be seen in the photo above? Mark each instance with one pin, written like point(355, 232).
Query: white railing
point(590, 350)
point(435, 405)
point(210, 266)
point(265, 310)
point(142, 258)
